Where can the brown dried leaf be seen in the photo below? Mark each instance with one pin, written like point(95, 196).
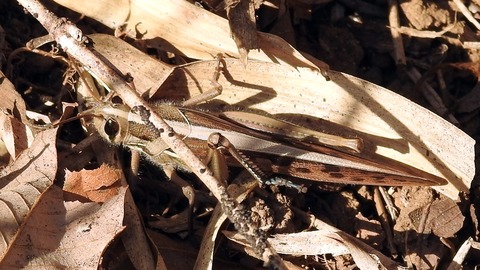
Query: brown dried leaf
point(444, 218)
point(23, 182)
point(68, 235)
point(98, 185)
point(139, 247)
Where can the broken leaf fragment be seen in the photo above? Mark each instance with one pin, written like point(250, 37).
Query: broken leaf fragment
point(98, 185)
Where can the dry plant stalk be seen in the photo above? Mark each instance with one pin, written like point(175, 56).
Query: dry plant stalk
point(74, 43)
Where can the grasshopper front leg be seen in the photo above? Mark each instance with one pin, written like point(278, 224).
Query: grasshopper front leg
point(216, 90)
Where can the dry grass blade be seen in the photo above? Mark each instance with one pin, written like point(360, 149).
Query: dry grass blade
point(239, 189)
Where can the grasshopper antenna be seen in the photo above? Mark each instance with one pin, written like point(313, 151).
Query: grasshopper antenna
point(81, 115)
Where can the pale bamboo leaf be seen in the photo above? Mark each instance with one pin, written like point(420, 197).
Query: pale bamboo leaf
point(328, 241)
point(148, 74)
point(181, 27)
point(308, 243)
point(325, 242)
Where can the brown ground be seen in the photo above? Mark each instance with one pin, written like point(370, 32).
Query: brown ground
point(349, 39)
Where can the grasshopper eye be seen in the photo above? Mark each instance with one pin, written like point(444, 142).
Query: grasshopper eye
point(116, 100)
point(111, 128)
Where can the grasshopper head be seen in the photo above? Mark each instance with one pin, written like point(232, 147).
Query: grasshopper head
point(111, 121)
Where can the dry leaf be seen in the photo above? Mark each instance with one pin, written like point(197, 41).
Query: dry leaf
point(443, 217)
point(15, 135)
point(137, 244)
point(307, 243)
point(23, 182)
point(328, 241)
point(148, 73)
point(181, 27)
point(68, 235)
point(98, 185)
point(11, 101)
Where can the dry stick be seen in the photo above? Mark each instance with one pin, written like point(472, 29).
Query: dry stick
point(462, 252)
point(467, 13)
point(383, 217)
point(71, 39)
point(432, 97)
point(399, 52)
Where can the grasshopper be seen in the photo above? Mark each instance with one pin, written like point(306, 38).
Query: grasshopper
point(264, 145)
point(275, 146)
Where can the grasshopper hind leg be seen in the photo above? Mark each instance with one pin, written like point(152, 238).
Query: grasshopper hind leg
point(218, 141)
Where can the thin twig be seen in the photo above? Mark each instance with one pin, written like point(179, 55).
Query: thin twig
point(383, 217)
point(424, 33)
point(432, 97)
point(389, 204)
point(399, 52)
point(74, 43)
point(467, 13)
point(461, 255)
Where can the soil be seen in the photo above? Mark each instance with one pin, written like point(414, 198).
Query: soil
point(349, 38)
